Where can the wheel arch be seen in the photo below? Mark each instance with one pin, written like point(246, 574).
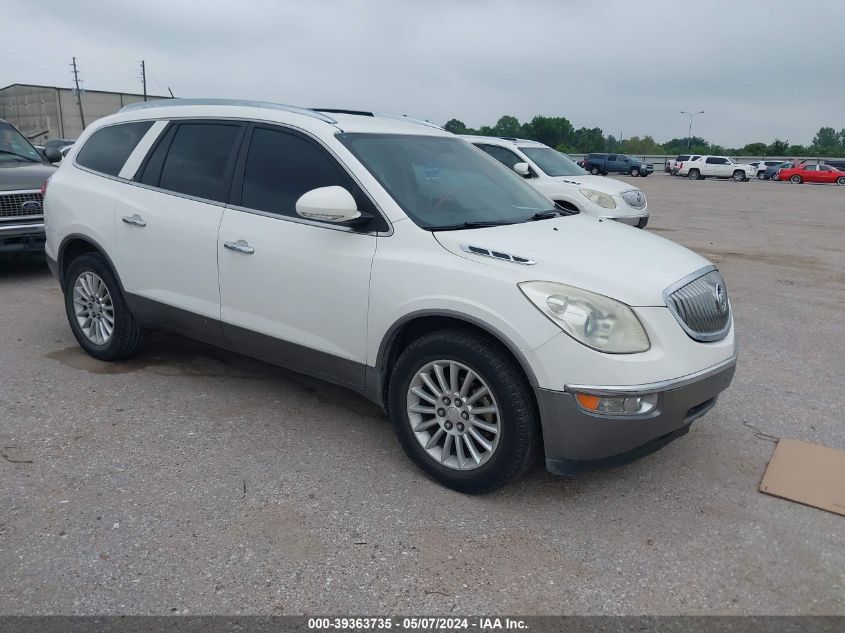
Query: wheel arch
point(415, 324)
point(77, 244)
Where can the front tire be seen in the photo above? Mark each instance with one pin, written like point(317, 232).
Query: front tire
point(841, 181)
point(635, 172)
point(97, 312)
point(462, 411)
point(739, 176)
point(795, 180)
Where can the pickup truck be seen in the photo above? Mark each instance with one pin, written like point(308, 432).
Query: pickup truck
point(618, 164)
point(716, 167)
point(23, 172)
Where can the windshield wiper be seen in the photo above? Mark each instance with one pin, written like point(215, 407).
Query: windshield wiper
point(480, 224)
point(545, 215)
point(5, 151)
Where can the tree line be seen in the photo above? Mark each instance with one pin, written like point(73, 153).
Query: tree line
point(558, 132)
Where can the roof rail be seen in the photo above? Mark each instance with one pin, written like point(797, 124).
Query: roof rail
point(166, 103)
point(403, 117)
point(343, 111)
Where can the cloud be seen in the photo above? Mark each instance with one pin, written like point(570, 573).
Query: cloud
point(758, 70)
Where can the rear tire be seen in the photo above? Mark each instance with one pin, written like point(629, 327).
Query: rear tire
point(795, 180)
point(514, 446)
point(594, 171)
point(841, 181)
point(761, 175)
point(694, 174)
point(104, 328)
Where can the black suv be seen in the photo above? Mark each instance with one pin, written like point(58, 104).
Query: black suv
point(23, 172)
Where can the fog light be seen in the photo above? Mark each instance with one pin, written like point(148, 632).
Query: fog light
point(617, 405)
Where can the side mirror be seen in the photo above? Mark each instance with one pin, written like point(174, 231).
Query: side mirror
point(52, 154)
point(328, 204)
point(522, 169)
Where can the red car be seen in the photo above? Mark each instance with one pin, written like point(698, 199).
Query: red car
point(812, 173)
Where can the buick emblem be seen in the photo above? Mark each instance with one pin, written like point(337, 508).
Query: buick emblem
point(721, 298)
point(32, 206)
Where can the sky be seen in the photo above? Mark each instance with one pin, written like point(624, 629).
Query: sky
point(759, 70)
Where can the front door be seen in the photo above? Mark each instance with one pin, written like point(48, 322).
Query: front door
point(292, 290)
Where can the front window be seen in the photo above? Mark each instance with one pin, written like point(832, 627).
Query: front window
point(445, 183)
point(14, 147)
point(552, 162)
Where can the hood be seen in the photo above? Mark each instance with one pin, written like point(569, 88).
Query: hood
point(603, 256)
point(17, 176)
point(599, 183)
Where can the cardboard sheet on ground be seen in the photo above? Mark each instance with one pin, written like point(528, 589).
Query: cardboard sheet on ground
point(807, 473)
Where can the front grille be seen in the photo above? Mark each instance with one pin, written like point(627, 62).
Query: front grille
point(701, 306)
point(13, 205)
point(634, 198)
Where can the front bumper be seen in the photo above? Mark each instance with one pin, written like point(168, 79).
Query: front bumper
point(26, 237)
point(576, 440)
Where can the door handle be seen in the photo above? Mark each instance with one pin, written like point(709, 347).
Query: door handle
point(134, 220)
point(240, 246)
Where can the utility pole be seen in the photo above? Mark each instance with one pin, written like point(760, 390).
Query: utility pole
point(78, 92)
point(689, 132)
point(144, 78)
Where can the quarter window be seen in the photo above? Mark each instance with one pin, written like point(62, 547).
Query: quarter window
point(200, 159)
point(109, 147)
point(280, 167)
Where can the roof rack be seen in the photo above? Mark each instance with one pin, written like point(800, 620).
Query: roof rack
point(166, 103)
point(343, 111)
point(403, 117)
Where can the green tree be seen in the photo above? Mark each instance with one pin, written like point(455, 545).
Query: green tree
point(754, 149)
point(644, 145)
point(587, 140)
point(778, 148)
point(611, 144)
point(551, 131)
point(507, 126)
point(798, 150)
point(826, 138)
point(455, 126)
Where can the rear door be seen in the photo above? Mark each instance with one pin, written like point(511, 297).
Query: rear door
point(167, 223)
point(294, 290)
point(810, 173)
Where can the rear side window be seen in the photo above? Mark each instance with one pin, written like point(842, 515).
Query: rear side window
point(504, 156)
point(280, 167)
point(611, 157)
point(109, 147)
point(200, 159)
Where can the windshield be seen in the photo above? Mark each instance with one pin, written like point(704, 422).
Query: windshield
point(552, 162)
point(443, 182)
point(14, 147)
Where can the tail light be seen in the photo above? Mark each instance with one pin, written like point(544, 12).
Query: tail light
point(680, 165)
point(44, 188)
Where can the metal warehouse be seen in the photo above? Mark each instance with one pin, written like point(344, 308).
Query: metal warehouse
point(42, 112)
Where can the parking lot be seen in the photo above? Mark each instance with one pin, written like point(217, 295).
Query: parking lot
point(192, 480)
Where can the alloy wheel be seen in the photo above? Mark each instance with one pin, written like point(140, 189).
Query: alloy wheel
point(93, 307)
point(453, 414)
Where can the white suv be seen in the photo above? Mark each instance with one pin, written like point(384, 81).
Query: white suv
point(393, 258)
point(716, 167)
point(558, 178)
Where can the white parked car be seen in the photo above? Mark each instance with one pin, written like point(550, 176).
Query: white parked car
point(558, 178)
point(679, 160)
point(392, 258)
point(764, 165)
point(716, 167)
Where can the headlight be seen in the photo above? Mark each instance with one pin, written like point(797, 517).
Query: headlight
point(599, 198)
point(599, 322)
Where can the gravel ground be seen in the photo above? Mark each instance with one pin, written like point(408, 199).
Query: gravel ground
point(191, 480)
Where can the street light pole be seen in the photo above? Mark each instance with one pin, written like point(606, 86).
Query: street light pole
point(689, 132)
